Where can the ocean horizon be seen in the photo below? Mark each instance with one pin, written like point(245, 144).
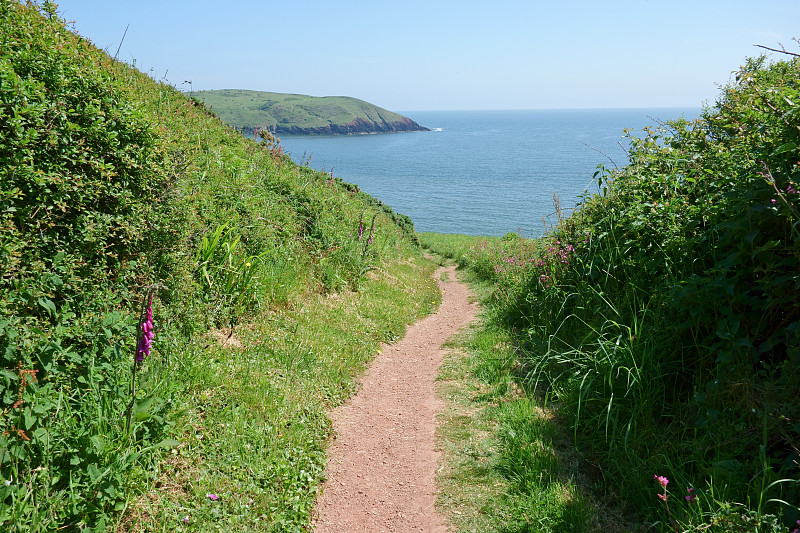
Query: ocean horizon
point(483, 172)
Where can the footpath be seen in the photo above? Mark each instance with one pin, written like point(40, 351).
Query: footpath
point(382, 464)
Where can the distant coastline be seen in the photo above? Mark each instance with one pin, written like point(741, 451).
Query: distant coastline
point(297, 114)
point(358, 126)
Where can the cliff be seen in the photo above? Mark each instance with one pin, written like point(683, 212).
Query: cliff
point(356, 126)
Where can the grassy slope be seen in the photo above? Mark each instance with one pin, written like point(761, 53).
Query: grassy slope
point(250, 109)
point(661, 318)
point(113, 185)
point(508, 463)
point(255, 430)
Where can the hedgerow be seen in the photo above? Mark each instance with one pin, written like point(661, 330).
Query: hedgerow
point(663, 316)
point(117, 191)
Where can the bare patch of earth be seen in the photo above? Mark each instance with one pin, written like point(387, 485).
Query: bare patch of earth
point(382, 464)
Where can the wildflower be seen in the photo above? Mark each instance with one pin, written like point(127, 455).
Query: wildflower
point(212, 497)
point(773, 201)
point(691, 498)
point(186, 519)
point(143, 348)
point(663, 482)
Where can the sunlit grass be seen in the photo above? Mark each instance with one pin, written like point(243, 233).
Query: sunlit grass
point(508, 465)
point(503, 467)
point(256, 427)
point(452, 246)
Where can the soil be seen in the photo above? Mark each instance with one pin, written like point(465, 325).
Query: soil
point(383, 462)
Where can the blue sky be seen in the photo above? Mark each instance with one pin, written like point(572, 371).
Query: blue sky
point(421, 55)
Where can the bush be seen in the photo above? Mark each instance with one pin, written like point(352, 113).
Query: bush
point(664, 315)
point(113, 186)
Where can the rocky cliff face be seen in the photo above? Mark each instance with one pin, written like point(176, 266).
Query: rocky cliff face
point(357, 126)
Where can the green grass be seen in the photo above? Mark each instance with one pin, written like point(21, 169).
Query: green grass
point(662, 316)
point(296, 113)
point(256, 427)
point(508, 465)
point(454, 247)
point(114, 187)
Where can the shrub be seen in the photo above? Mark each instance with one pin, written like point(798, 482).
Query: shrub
point(664, 314)
point(112, 184)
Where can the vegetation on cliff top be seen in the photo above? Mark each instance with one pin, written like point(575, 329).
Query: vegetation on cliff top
point(301, 114)
point(662, 319)
point(117, 192)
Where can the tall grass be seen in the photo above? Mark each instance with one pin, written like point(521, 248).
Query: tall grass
point(508, 464)
point(661, 317)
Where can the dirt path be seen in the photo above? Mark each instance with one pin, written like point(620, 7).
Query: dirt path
point(382, 464)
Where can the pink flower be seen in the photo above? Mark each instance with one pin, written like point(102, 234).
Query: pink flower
point(691, 498)
point(212, 497)
point(661, 481)
point(146, 339)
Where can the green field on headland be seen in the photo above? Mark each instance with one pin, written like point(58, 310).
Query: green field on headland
point(299, 114)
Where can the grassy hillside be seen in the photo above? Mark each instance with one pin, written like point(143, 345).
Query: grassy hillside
point(661, 320)
point(296, 113)
point(269, 285)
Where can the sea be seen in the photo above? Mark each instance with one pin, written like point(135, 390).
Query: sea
point(483, 172)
